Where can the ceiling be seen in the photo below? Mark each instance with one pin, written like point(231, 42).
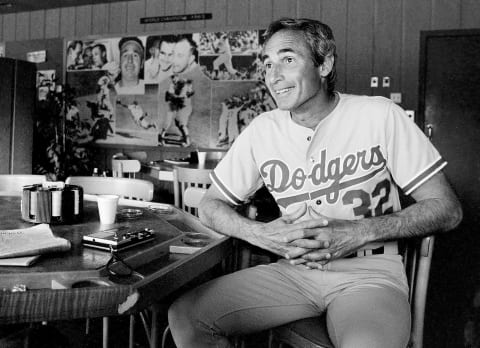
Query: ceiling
point(11, 6)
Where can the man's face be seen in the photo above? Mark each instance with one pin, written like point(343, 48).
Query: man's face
point(290, 74)
point(166, 55)
point(131, 60)
point(97, 57)
point(182, 57)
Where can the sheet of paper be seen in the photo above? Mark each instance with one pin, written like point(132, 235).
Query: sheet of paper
point(34, 240)
point(19, 261)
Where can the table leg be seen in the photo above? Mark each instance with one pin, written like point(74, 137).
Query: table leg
point(105, 332)
point(131, 335)
point(154, 327)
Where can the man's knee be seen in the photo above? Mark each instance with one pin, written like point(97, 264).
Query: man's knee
point(373, 335)
point(188, 327)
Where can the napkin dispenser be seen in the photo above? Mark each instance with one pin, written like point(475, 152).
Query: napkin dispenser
point(52, 202)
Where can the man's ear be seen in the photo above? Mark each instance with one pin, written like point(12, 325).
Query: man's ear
point(327, 66)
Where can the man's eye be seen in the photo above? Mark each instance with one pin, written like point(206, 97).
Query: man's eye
point(288, 60)
point(268, 65)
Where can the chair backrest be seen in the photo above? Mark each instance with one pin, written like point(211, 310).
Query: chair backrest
point(138, 155)
point(13, 183)
point(192, 197)
point(125, 167)
point(124, 187)
point(184, 177)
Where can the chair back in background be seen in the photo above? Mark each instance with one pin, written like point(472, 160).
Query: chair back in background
point(124, 187)
point(184, 177)
point(138, 155)
point(192, 197)
point(125, 167)
point(13, 183)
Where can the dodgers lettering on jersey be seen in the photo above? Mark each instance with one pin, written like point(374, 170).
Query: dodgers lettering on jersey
point(349, 167)
point(335, 172)
point(328, 178)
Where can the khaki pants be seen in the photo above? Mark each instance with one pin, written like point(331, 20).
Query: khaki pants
point(365, 298)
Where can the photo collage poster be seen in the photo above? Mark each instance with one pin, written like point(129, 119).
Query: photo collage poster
point(194, 89)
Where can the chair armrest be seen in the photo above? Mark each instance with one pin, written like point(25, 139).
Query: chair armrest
point(426, 247)
point(420, 292)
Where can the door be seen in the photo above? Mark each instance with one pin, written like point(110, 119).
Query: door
point(450, 111)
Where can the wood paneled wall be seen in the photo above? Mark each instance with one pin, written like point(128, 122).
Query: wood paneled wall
point(374, 37)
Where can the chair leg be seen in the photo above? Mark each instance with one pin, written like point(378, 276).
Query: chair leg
point(106, 323)
point(164, 336)
point(272, 343)
point(131, 331)
point(154, 327)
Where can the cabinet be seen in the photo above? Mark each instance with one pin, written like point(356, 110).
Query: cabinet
point(17, 107)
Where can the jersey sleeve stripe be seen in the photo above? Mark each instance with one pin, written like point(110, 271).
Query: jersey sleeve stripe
point(424, 176)
point(226, 192)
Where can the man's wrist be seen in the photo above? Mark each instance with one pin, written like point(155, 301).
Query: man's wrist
point(368, 230)
point(252, 231)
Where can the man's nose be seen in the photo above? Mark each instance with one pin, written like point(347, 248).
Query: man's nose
point(274, 73)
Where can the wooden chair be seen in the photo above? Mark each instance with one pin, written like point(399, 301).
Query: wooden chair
point(191, 201)
point(183, 178)
point(127, 188)
point(312, 332)
point(189, 186)
point(125, 167)
point(13, 183)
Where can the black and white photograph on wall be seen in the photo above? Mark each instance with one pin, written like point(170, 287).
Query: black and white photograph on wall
point(234, 106)
point(94, 101)
point(114, 118)
point(88, 54)
point(158, 58)
point(230, 55)
point(136, 118)
point(45, 82)
point(131, 58)
point(123, 59)
point(172, 90)
point(184, 98)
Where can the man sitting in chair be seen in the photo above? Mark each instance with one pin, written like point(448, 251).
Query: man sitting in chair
point(335, 164)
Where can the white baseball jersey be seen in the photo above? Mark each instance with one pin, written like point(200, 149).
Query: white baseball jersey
point(349, 167)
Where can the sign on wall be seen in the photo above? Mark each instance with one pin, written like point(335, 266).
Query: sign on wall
point(196, 89)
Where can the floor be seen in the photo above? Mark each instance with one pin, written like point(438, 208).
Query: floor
point(71, 334)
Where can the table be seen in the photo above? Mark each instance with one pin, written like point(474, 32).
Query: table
point(158, 273)
point(163, 171)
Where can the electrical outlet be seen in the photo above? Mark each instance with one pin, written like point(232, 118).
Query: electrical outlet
point(396, 97)
point(386, 81)
point(374, 82)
